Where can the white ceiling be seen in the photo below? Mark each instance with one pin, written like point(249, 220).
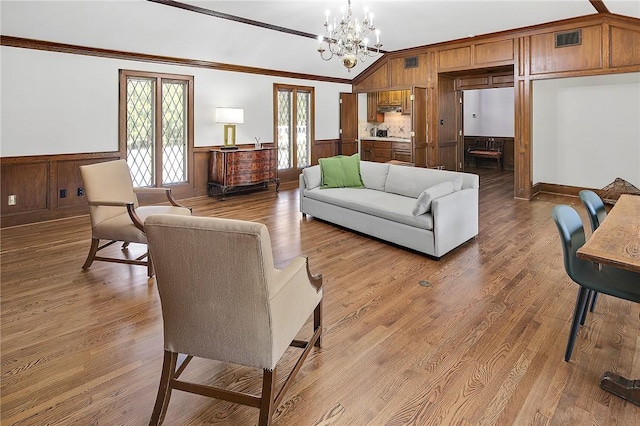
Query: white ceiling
point(146, 27)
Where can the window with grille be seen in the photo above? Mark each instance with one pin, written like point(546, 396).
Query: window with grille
point(294, 126)
point(156, 115)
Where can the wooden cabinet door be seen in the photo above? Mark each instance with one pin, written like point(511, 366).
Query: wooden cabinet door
point(366, 150)
point(373, 116)
point(383, 98)
point(382, 151)
point(395, 97)
point(406, 102)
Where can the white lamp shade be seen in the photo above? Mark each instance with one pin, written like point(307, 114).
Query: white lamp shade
point(229, 115)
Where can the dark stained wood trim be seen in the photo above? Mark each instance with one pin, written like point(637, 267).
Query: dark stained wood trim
point(50, 46)
point(234, 18)
point(552, 188)
point(222, 15)
point(31, 159)
point(599, 6)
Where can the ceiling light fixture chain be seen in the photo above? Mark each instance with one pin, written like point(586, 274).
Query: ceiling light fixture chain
point(349, 38)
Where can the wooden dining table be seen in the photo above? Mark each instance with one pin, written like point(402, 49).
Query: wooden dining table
point(616, 243)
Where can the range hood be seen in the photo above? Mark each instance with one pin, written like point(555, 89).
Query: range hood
point(390, 108)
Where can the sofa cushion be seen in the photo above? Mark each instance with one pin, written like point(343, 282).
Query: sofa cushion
point(423, 204)
point(374, 175)
point(341, 172)
point(411, 181)
point(312, 177)
point(376, 203)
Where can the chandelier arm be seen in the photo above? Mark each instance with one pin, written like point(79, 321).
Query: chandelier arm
point(348, 38)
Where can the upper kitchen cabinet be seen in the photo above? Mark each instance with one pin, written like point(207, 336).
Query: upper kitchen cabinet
point(391, 98)
point(406, 102)
point(373, 116)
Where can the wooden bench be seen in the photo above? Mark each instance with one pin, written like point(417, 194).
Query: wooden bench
point(486, 148)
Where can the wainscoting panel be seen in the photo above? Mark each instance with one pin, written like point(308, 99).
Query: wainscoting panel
point(29, 183)
point(38, 182)
point(324, 148)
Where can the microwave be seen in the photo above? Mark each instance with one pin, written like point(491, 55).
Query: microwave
point(382, 133)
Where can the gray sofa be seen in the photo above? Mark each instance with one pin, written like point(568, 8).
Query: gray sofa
point(383, 208)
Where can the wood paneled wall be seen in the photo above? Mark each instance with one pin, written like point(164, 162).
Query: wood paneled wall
point(609, 44)
point(36, 181)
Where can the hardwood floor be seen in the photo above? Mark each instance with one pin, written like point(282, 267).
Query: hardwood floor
point(481, 341)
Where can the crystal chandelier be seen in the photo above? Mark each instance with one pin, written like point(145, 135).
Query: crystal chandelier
point(348, 38)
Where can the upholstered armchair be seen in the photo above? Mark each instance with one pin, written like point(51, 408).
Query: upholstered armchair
point(115, 212)
point(223, 299)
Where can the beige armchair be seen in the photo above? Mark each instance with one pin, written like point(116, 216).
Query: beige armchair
point(115, 212)
point(222, 299)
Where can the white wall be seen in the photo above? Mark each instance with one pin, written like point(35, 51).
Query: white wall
point(586, 130)
point(489, 112)
point(55, 103)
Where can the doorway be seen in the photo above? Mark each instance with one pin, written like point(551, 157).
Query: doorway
point(476, 107)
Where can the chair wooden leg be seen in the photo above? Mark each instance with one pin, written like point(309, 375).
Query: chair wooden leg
point(164, 389)
point(125, 245)
point(581, 305)
point(268, 396)
point(317, 323)
point(95, 242)
point(150, 271)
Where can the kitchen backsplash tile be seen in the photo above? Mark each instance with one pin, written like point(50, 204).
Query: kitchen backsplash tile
point(397, 125)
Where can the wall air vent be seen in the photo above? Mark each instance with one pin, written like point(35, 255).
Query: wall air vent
point(411, 62)
point(570, 38)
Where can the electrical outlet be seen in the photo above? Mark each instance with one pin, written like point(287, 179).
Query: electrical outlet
point(63, 193)
point(80, 192)
point(12, 200)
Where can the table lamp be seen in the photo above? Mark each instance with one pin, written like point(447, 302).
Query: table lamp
point(230, 117)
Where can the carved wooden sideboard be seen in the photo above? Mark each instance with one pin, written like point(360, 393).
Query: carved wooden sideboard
point(233, 170)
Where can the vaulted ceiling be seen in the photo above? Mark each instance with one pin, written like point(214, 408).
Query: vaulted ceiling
point(283, 34)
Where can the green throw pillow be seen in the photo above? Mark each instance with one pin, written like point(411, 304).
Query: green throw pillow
point(341, 172)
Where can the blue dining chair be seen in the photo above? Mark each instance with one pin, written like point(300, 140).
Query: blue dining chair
point(596, 212)
point(604, 279)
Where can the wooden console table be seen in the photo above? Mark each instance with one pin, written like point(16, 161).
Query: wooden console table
point(241, 169)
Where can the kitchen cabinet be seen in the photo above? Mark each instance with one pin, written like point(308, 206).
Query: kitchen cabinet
point(390, 98)
point(406, 102)
point(373, 116)
point(381, 151)
point(395, 98)
point(401, 151)
point(366, 150)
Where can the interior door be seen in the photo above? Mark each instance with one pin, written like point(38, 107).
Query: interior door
point(460, 125)
point(448, 124)
point(348, 124)
point(419, 126)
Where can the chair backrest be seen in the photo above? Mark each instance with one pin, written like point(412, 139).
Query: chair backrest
point(595, 207)
point(107, 181)
point(572, 237)
point(484, 144)
point(214, 277)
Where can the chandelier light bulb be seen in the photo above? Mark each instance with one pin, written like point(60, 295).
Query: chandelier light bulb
point(349, 38)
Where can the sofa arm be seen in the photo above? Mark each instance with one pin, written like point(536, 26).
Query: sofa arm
point(455, 219)
point(301, 188)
